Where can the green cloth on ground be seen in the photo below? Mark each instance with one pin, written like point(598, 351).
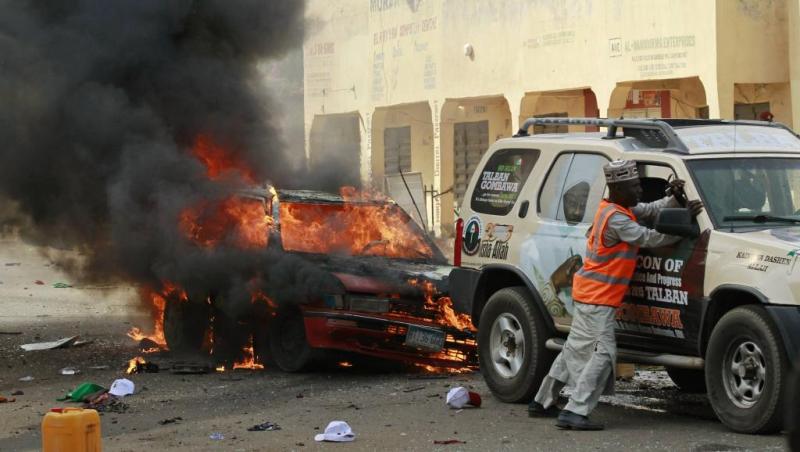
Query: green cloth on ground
point(81, 391)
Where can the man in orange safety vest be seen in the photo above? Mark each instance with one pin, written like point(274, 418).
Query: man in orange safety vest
point(586, 363)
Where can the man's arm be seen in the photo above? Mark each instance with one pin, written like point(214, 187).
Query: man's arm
point(647, 212)
point(621, 228)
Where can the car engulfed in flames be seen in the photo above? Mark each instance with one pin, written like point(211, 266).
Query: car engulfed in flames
point(385, 285)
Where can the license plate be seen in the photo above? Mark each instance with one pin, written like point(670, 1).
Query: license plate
point(425, 338)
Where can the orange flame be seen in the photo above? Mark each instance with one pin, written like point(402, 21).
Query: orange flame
point(218, 161)
point(345, 364)
point(443, 306)
point(358, 229)
point(241, 221)
point(134, 363)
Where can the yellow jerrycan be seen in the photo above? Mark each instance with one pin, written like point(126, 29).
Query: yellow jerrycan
point(71, 430)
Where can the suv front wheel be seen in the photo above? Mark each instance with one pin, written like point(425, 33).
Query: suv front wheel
point(511, 345)
point(746, 370)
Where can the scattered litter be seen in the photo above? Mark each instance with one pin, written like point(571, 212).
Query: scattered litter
point(336, 431)
point(106, 403)
point(448, 441)
point(17, 392)
point(61, 285)
point(216, 436)
point(172, 420)
point(100, 367)
point(39, 282)
point(69, 371)
point(83, 392)
point(354, 406)
point(65, 342)
point(417, 388)
point(459, 397)
point(122, 387)
point(299, 395)
point(26, 378)
point(7, 400)
point(265, 427)
point(11, 332)
point(301, 444)
point(190, 368)
point(80, 343)
point(13, 264)
point(139, 366)
point(429, 377)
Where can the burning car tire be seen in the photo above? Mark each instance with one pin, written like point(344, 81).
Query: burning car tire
point(688, 380)
point(746, 371)
point(511, 345)
point(288, 344)
point(185, 325)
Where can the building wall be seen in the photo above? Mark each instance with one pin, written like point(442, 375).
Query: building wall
point(530, 56)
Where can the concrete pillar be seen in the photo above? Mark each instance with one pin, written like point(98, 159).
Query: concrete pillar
point(514, 100)
point(436, 118)
point(603, 95)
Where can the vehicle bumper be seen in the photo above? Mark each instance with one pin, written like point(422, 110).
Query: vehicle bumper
point(385, 338)
point(462, 283)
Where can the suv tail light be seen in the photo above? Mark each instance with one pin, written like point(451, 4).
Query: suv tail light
point(457, 245)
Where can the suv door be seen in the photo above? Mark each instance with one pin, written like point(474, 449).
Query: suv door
point(567, 202)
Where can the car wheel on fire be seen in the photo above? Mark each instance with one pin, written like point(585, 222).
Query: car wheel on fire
point(511, 341)
point(745, 367)
point(185, 324)
point(288, 344)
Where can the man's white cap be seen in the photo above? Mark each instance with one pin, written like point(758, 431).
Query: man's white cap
point(121, 387)
point(337, 431)
point(620, 171)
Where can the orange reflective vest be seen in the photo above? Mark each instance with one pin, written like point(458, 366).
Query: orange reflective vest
point(607, 270)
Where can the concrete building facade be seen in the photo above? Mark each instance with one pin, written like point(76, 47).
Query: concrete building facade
point(427, 85)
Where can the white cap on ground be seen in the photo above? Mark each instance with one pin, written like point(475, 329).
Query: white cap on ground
point(337, 431)
point(121, 387)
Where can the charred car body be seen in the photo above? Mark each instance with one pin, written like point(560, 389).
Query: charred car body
point(379, 289)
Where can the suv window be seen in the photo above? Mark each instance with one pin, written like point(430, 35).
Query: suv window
point(501, 180)
point(573, 188)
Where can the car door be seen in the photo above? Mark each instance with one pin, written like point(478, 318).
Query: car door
point(664, 302)
point(567, 202)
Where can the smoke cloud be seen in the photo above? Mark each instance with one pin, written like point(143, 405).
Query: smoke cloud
point(102, 102)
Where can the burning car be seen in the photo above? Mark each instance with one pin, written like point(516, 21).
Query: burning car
point(380, 284)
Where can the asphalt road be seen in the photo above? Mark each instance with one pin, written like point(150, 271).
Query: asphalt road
point(388, 409)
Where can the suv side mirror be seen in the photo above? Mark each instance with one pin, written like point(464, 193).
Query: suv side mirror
point(677, 221)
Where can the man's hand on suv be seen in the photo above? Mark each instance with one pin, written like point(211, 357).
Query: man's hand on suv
point(695, 206)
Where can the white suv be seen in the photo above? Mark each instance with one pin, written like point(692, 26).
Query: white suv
point(720, 310)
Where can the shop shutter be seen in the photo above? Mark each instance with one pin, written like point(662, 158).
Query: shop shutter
point(470, 142)
point(397, 150)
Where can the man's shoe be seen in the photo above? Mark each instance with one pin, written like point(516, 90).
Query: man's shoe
point(535, 409)
point(573, 421)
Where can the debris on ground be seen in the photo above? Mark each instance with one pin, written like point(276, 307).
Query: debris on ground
point(17, 392)
point(13, 264)
point(190, 368)
point(122, 387)
point(26, 378)
point(80, 343)
point(417, 388)
point(336, 431)
point(69, 371)
point(265, 427)
point(61, 285)
point(100, 367)
point(448, 441)
point(7, 400)
point(459, 397)
point(216, 436)
point(39, 282)
point(11, 332)
point(106, 403)
point(36, 346)
point(172, 420)
point(147, 344)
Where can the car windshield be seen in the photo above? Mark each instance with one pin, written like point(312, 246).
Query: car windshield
point(354, 229)
point(749, 192)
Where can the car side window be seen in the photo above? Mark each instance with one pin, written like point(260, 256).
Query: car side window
point(573, 188)
point(501, 180)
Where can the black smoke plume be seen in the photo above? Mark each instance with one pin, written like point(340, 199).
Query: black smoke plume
point(101, 102)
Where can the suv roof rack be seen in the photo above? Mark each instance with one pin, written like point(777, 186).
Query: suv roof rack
point(654, 133)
